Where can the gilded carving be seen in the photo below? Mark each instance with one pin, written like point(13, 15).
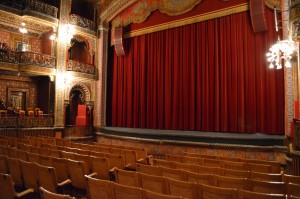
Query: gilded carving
point(140, 11)
point(273, 3)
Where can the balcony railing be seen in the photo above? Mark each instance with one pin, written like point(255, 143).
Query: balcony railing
point(41, 7)
point(80, 67)
point(27, 58)
point(17, 4)
point(82, 22)
point(16, 121)
point(37, 59)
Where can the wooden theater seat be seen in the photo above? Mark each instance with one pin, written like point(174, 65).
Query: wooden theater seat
point(199, 178)
point(61, 168)
point(128, 178)
point(266, 187)
point(100, 168)
point(230, 182)
point(243, 194)
point(14, 168)
point(210, 192)
point(29, 175)
point(153, 183)
point(154, 195)
point(123, 191)
point(148, 169)
point(49, 195)
point(48, 179)
point(97, 189)
point(3, 164)
point(7, 190)
point(181, 188)
point(293, 189)
point(272, 177)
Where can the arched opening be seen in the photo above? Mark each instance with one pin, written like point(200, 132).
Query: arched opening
point(76, 98)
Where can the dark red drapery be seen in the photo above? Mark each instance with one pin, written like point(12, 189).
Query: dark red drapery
point(207, 76)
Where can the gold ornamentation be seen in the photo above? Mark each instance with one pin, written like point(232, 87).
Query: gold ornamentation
point(141, 10)
point(114, 9)
point(190, 20)
point(273, 3)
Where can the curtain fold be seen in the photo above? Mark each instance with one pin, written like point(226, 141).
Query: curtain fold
point(207, 76)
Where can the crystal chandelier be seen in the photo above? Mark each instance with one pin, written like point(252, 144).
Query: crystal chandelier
point(280, 54)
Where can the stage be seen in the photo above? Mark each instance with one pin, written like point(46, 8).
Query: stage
point(256, 139)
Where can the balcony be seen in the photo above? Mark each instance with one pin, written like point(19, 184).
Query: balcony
point(31, 58)
point(82, 22)
point(40, 7)
point(76, 66)
point(30, 7)
point(16, 121)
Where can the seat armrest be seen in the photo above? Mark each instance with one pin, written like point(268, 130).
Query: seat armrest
point(23, 193)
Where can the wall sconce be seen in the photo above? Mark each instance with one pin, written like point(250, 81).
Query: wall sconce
point(66, 33)
point(63, 79)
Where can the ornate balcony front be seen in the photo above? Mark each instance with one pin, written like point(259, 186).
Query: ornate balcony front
point(82, 22)
point(81, 67)
point(41, 7)
point(37, 59)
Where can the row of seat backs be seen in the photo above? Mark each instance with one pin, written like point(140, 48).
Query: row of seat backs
point(243, 166)
point(159, 183)
point(273, 166)
point(109, 190)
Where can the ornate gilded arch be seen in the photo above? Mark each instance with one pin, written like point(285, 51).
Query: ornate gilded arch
point(86, 95)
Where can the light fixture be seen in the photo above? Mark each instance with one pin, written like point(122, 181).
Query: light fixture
point(66, 33)
point(22, 29)
point(64, 79)
point(280, 54)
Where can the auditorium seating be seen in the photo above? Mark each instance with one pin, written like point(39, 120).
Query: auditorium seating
point(181, 188)
point(153, 183)
point(154, 195)
point(243, 194)
point(123, 191)
point(47, 179)
point(49, 195)
point(180, 173)
point(209, 192)
point(7, 189)
point(97, 189)
point(293, 189)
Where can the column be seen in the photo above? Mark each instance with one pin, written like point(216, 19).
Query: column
point(100, 91)
point(65, 9)
point(288, 75)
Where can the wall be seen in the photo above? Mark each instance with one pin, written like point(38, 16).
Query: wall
point(7, 81)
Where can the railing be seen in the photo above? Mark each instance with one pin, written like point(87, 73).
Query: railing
point(41, 7)
point(82, 22)
point(37, 59)
point(16, 121)
point(17, 4)
point(27, 58)
point(80, 67)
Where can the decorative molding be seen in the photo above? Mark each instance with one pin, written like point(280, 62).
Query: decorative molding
point(114, 8)
point(33, 25)
point(190, 20)
point(142, 10)
point(83, 89)
point(273, 3)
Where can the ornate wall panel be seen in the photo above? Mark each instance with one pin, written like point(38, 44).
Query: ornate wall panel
point(36, 45)
point(23, 83)
point(5, 37)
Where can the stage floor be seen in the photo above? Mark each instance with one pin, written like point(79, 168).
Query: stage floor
point(256, 139)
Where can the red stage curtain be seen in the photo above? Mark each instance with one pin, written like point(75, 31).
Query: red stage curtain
point(207, 76)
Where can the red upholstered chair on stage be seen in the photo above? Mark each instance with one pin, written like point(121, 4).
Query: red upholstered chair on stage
point(81, 119)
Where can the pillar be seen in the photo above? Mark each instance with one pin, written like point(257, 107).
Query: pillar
point(101, 87)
